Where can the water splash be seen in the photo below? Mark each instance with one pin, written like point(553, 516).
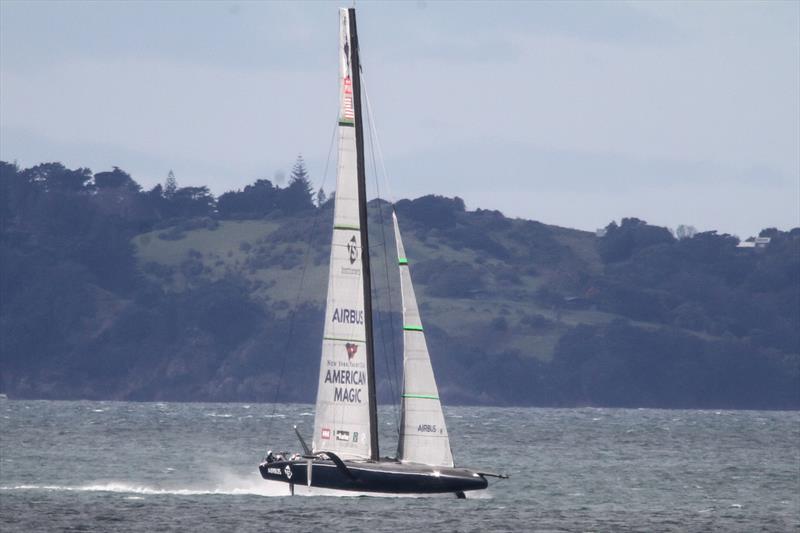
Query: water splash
point(228, 484)
point(261, 489)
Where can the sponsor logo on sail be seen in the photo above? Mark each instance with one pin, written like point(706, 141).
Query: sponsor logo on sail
point(326, 433)
point(351, 349)
point(350, 271)
point(347, 96)
point(347, 395)
point(348, 113)
point(352, 249)
point(427, 428)
point(346, 377)
point(342, 435)
point(347, 316)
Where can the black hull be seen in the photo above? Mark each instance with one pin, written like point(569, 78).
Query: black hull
point(379, 477)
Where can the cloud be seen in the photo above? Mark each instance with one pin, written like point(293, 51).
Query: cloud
point(587, 190)
point(495, 102)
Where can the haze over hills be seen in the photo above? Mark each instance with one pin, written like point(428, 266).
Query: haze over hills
point(111, 292)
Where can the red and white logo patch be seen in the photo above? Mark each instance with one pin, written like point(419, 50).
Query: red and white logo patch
point(351, 349)
point(348, 113)
point(326, 433)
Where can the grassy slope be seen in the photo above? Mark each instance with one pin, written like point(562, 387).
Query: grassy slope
point(223, 251)
point(227, 250)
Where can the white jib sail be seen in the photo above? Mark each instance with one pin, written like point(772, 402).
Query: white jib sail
point(341, 423)
point(423, 434)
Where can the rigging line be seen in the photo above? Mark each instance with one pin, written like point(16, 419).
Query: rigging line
point(392, 377)
point(391, 368)
point(375, 141)
point(293, 313)
point(391, 197)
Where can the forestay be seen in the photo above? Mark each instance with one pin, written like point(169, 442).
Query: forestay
point(423, 434)
point(341, 424)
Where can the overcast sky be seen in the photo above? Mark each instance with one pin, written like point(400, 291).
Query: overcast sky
point(573, 114)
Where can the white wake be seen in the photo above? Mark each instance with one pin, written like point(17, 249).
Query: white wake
point(229, 484)
point(223, 483)
point(248, 488)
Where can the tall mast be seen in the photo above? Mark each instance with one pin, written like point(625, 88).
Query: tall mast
point(362, 213)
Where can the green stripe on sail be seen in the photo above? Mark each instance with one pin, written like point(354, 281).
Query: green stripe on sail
point(421, 396)
point(412, 328)
point(341, 339)
point(345, 226)
point(346, 123)
point(402, 261)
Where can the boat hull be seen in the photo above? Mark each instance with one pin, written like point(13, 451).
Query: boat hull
point(378, 477)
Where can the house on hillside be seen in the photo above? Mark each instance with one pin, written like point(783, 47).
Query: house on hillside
point(756, 243)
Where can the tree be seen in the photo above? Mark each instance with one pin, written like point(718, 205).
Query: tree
point(254, 201)
point(115, 179)
point(321, 198)
point(632, 235)
point(171, 185)
point(56, 177)
point(297, 195)
point(299, 171)
point(433, 210)
point(193, 202)
point(685, 232)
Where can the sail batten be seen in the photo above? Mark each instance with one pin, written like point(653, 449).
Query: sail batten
point(423, 432)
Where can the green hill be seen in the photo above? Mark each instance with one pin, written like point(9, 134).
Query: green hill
point(113, 292)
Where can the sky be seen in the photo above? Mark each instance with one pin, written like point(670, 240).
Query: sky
point(569, 113)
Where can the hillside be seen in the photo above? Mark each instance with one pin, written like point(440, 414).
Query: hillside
point(112, 292)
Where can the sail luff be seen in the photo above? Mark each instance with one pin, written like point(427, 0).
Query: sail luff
point(423, 432)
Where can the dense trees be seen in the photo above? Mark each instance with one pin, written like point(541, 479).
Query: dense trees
point(705, 283)
point(254, 201)
point(71, 293)
point(632, 234)
point(635, 318)
point(262, 197)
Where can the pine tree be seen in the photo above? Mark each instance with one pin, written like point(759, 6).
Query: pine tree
point(171, 185)
point(299, 171)
point(321, 197)
point(299, 192)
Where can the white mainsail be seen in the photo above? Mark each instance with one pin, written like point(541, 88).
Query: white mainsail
point(341, 423)
point(423, 434)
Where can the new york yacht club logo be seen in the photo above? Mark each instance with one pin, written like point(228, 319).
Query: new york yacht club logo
point(351, 349)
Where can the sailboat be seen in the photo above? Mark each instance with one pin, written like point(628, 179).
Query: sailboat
point(344, 453)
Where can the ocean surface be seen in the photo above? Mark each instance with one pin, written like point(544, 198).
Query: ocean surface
point(119, 466)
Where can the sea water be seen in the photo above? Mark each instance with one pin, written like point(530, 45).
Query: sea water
point(120, 466)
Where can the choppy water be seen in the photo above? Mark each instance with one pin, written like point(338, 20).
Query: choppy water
point(102, 466)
